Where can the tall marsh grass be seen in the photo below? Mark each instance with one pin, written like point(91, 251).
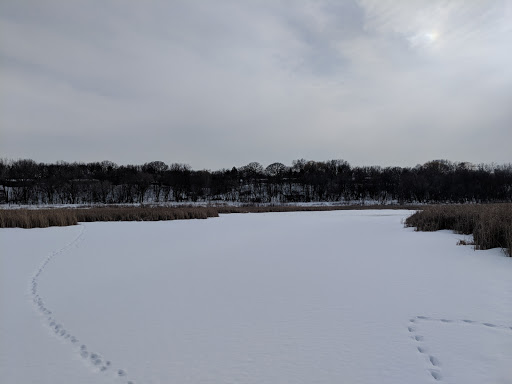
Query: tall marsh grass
point(490, 224)
point(50, 217)
point(43, 218)
point(310, 208)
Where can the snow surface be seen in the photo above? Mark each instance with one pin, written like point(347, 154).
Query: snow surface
point(306, 297)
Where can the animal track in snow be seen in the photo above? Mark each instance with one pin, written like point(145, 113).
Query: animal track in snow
point(94, 359)
point(435, 374)
point(432, 361)
point(462, 321)
point(421, 349)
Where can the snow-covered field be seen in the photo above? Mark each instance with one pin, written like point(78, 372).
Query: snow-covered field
point(316, 297)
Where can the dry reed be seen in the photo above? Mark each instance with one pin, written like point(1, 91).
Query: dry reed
point(300, 208)
point(43, 218)
point(490, 224)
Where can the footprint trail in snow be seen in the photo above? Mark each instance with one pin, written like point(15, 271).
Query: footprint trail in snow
point(93, 359)
point(434, 365)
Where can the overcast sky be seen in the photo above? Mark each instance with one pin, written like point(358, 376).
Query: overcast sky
point(222, 83)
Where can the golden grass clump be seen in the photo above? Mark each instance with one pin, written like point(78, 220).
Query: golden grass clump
point(43, 218)
point(300, 208)
point(49, 217)
point(144, 213)
point(490, 224)
point(32, 218)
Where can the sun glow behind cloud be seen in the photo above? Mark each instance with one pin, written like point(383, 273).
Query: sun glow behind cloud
point(432, 36)
point(425, 39)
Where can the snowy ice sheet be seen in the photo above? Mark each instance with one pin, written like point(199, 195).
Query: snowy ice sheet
point(324, 297)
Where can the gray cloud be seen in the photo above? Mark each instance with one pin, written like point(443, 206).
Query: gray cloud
point(216, 84)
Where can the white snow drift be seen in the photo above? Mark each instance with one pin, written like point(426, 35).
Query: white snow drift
point(324, 297)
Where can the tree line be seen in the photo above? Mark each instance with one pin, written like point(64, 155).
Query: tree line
point(25, 181)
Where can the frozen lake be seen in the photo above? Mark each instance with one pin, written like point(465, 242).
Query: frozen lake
point(309, 297)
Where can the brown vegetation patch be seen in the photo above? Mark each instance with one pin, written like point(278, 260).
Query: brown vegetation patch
point(490, 224)
point(310, 208)
point(43, 218)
